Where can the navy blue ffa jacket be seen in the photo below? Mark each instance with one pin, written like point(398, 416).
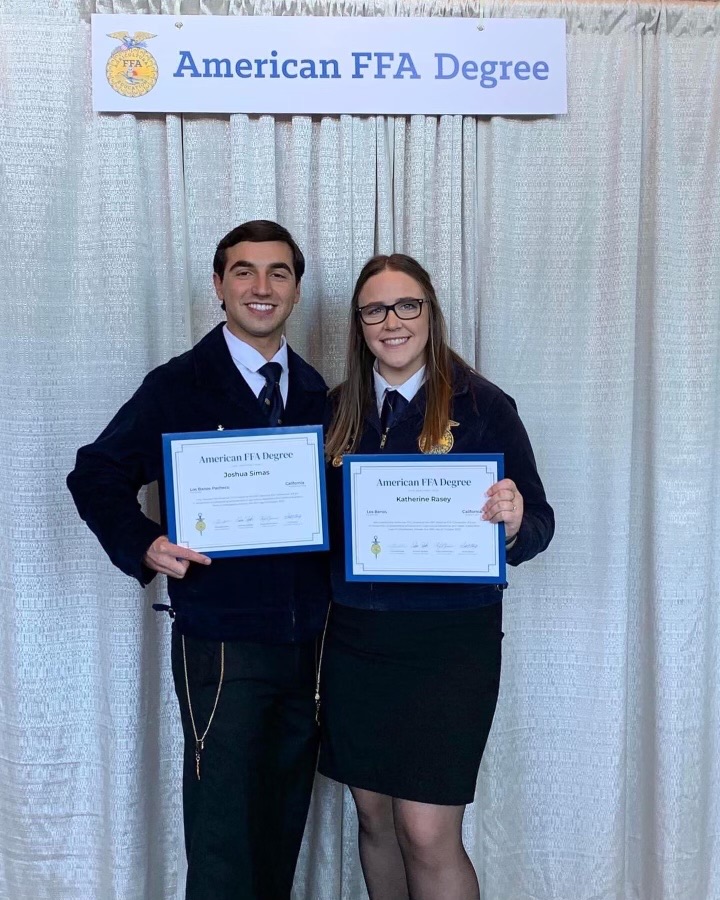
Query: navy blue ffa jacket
point(483, 420)
point(275, 598)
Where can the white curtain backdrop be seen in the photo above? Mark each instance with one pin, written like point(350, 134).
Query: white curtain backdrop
point(578, 261)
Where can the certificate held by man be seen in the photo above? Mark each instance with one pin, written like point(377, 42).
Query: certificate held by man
point(419, 518)
point(236, 493)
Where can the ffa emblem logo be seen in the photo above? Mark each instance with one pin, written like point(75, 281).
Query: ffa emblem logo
point(444, 445)
point(200, 524)
point(375, 548)
point(131, 70)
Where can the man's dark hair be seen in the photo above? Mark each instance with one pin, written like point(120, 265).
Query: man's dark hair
point(258, 232)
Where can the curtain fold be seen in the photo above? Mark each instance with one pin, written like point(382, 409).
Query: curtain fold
point(689, 18)
point(578, 261)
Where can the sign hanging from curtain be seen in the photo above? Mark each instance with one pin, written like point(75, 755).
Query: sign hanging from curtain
point(313, 65)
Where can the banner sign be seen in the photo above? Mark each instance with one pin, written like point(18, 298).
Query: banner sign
point(313, 65)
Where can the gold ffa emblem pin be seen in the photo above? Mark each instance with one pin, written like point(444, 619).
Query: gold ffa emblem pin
point(444, 445)
point(131, 69)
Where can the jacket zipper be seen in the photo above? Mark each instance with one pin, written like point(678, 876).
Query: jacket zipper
point(383, 439)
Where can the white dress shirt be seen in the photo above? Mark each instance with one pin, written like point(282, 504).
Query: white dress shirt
point(248, 360)
point(408, 388)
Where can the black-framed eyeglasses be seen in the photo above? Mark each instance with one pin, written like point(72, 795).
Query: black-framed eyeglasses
point(405, 308)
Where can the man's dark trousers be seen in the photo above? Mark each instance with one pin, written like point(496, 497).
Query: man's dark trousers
point(245, 816)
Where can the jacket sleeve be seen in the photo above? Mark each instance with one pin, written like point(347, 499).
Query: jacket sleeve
point(538, 522)
point(108, 475)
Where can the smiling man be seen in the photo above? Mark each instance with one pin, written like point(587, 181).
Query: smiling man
point(258, 289)
point(244, 628)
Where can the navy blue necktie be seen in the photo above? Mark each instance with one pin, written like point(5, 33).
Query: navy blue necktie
point(393, 405)
point(270, 397)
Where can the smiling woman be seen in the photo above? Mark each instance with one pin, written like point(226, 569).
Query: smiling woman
point(396, 330)
point(409, 741)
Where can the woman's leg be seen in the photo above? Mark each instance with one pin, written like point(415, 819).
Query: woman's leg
point(380, 856)
point(436, 864)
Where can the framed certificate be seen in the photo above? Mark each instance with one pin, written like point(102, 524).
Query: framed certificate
point(237, 493)
point(418, 518)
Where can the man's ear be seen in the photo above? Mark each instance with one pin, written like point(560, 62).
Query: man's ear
point(218, 285)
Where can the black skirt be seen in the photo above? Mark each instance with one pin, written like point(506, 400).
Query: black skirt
point(408, 698)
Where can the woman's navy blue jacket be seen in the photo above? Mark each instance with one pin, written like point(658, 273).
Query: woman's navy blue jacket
point(275, 598)
point(487, 423)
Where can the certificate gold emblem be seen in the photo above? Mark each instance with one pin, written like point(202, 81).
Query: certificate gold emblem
point(375, 547)
point(131, 70)
point(200, 525)
point(444, 445)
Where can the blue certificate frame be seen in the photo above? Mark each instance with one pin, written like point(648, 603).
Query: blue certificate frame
point(414, 495)
point(246, 492)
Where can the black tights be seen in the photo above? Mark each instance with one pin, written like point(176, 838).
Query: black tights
point(413, 851)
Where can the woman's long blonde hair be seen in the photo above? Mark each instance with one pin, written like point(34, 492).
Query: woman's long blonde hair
point(353, 397)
